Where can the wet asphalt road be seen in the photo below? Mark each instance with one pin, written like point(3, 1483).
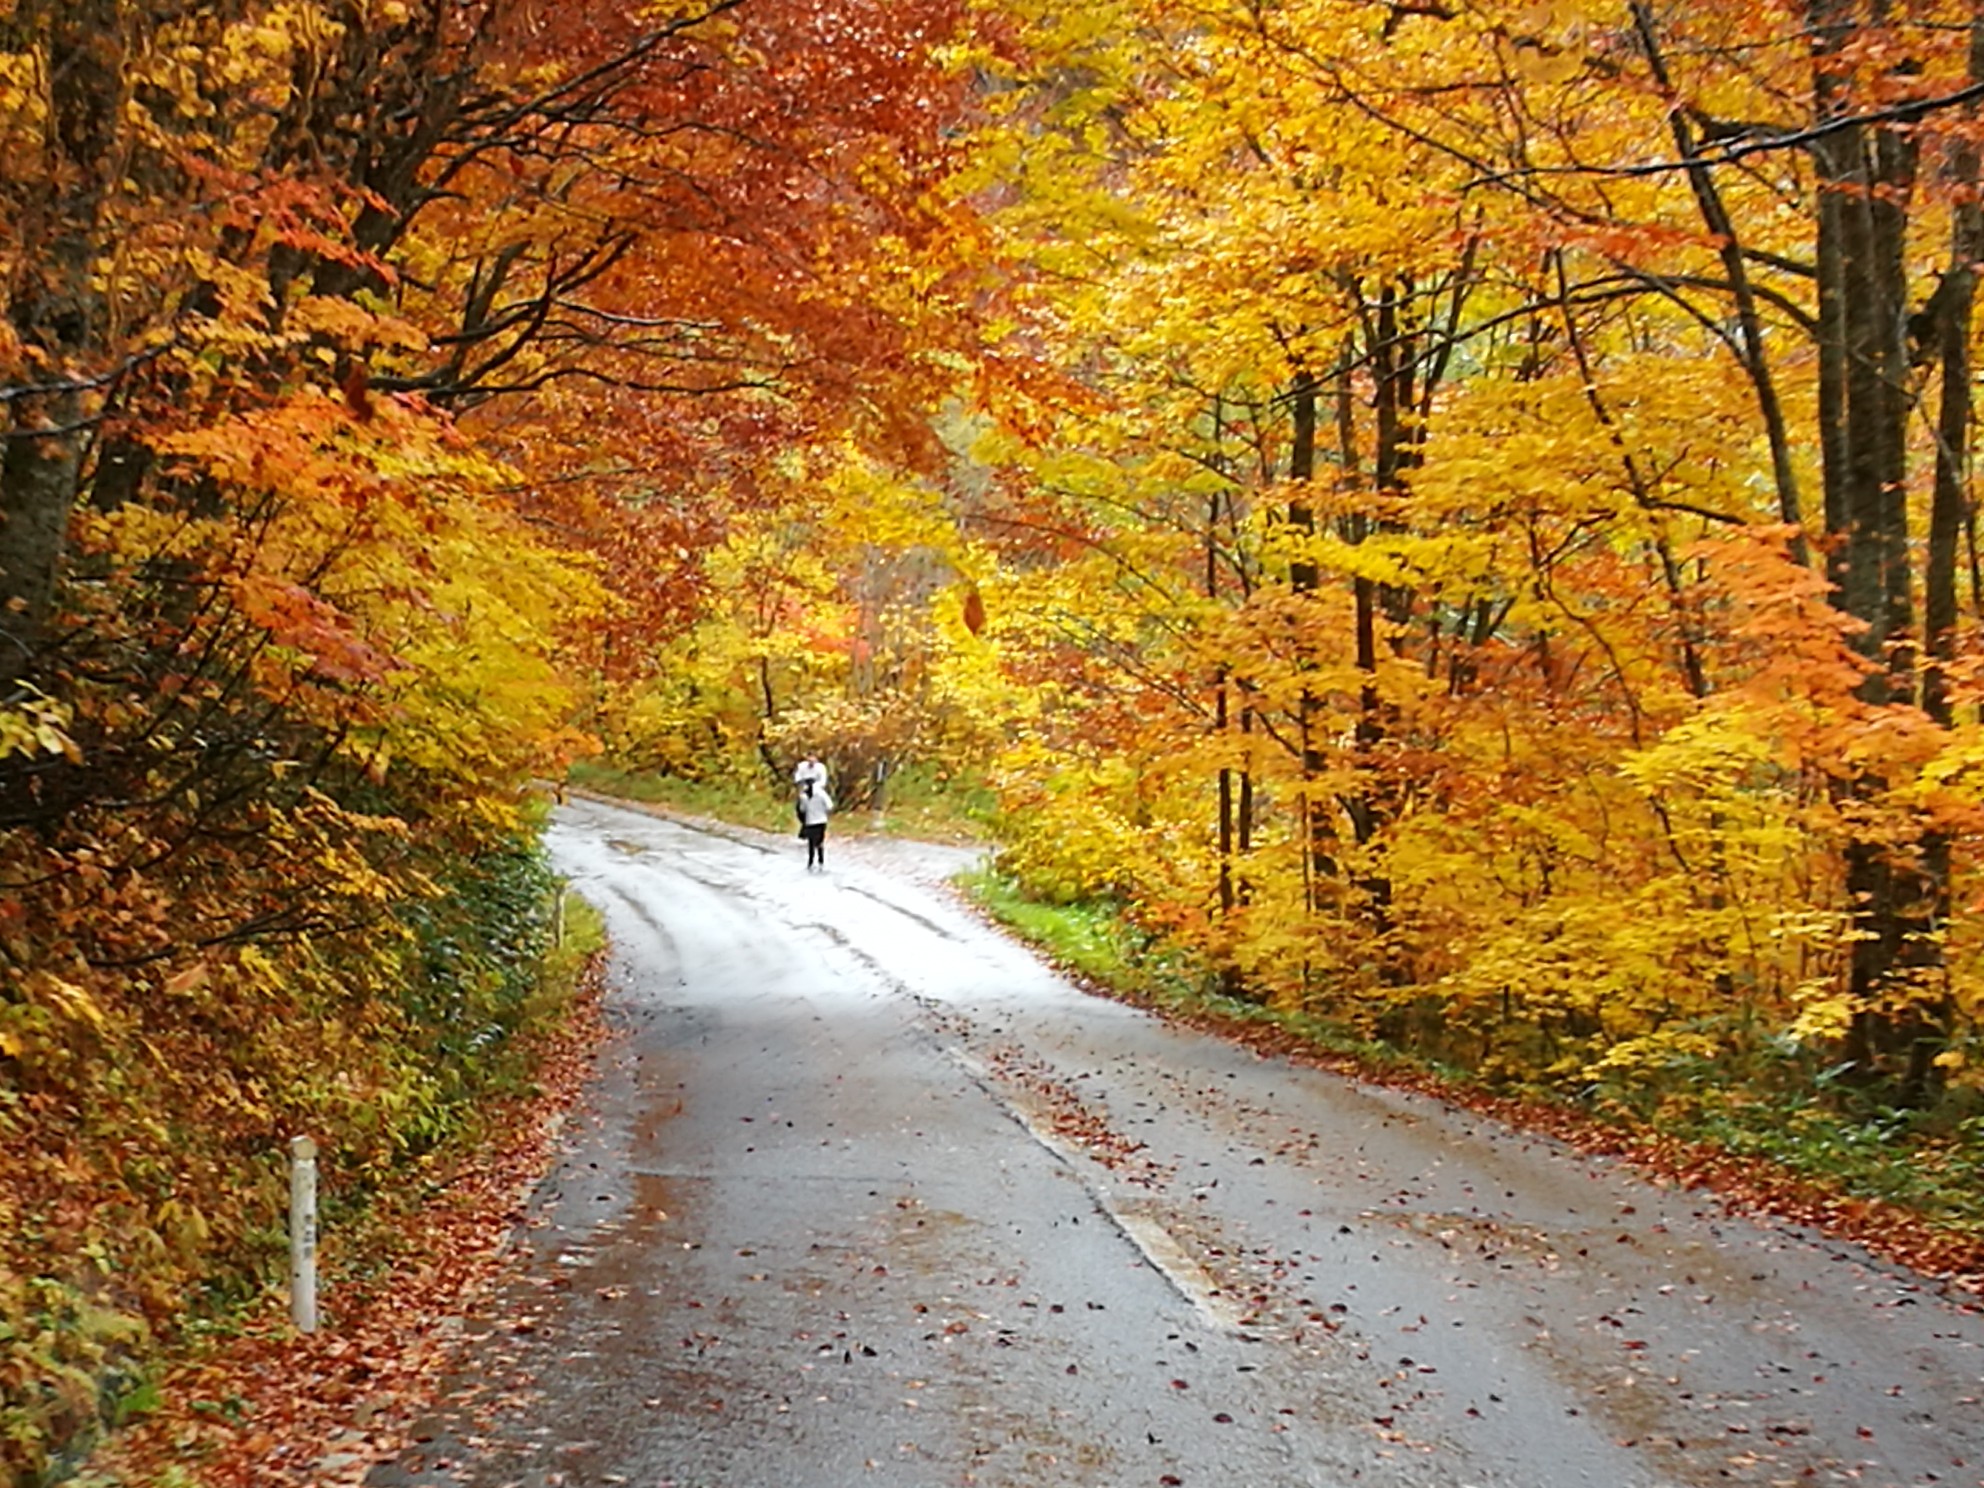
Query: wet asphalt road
point(864, 1195)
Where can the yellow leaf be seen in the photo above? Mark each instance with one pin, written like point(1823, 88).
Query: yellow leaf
point(72, 1001)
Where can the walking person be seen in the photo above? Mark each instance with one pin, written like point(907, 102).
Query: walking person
point(815, 806)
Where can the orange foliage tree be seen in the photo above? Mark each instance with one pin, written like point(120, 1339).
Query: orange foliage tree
point(368, 369)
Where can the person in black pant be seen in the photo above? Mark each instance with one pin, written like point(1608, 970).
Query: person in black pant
point(815, 806)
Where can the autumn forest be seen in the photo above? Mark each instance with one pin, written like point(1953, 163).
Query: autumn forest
point(1453, 519)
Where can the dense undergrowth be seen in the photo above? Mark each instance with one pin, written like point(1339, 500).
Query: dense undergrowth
point(143, 1177)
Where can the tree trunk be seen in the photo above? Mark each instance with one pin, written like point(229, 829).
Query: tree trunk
point(1949, 516)
point(1222, 722)
point(1318, 835)
point(1865, 174)
point(1950, 509)
point(57, 311)
point(1393, 368)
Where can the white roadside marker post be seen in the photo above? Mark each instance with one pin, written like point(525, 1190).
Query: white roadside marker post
point(303, 1234)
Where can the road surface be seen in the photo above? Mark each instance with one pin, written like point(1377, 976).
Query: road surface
point(863, 1194)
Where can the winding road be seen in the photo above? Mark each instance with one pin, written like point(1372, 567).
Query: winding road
point(864, 1194)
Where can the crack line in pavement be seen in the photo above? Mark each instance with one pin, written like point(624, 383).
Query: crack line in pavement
point(1161, 1250)
point(908, 914)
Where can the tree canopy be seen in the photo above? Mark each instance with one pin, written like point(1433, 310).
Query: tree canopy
point(1454, 517)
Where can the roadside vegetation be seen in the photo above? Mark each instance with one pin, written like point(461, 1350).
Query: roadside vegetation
point(398, 1056)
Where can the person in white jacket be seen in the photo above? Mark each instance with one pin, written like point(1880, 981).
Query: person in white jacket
point(815, 806)
point(811, 769)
